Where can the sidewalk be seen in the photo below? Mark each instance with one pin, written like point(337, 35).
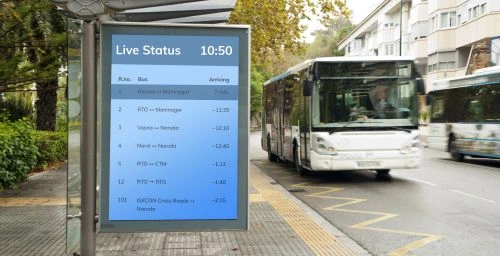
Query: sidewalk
point(32, 222)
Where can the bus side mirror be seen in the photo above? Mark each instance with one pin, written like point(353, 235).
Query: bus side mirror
point(307, 88)
point(428, 100)
point(420, 83)
point(420, 86)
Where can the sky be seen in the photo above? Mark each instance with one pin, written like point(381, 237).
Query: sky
point(359, 10)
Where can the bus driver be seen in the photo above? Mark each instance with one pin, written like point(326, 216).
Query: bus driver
point(381, 102)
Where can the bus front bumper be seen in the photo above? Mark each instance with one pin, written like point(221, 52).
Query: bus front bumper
point(366, 160)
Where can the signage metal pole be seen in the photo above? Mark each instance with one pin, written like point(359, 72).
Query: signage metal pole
point(401, 28)
point(88, 140)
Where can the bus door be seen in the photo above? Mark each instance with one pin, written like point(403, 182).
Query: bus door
point(287, 115)
point(271, 119)
point(275, 122)
point(279, 98)
point(265, 117)
point(305, 130)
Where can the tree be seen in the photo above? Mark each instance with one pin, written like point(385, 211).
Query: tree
point(257, 78)
point(326, 40)
point(277, 26)
point(49, 27)
point(33, 40)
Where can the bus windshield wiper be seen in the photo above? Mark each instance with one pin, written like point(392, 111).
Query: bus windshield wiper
point(351, 122)
point(399, 128)
point(363, 120)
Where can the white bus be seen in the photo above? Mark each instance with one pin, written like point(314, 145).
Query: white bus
point(465, 115)
point(344, 113)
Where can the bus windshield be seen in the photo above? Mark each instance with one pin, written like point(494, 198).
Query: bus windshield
point(356, 95)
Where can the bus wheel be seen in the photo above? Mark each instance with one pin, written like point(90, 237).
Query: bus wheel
point(383, 172)
point(270, 156)
point(301, 170)
point(452, 147)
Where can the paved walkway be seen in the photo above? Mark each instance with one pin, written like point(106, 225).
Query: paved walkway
point(32, 222)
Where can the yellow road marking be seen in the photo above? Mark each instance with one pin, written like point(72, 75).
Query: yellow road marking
point(404, 250)
point(412, 246)
point(319, 240)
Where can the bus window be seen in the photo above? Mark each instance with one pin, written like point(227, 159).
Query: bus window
point(492, 104)
point(334, 102)
point(474, 111)
point(288, 101)
point(269, 92)
point(437, 109)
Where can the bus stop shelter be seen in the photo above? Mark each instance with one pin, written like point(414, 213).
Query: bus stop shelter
point(84, 17)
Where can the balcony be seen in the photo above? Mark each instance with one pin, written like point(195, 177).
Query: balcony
point(442, 40)
point(419, 13)
point(418, 48)
point(478, 29)
point(388, 35)
point(441, 4)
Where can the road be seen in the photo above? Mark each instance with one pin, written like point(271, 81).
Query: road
point(442, 208)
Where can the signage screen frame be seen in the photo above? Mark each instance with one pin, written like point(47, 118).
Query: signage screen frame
point(193, 34)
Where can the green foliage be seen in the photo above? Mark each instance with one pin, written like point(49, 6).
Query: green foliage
point(326, 41)
point(62, 110)
point(17, 105)
point(53, 147)
point(257, 78)
point(18, 152)
point(277, 35)
point(33, 42)
point(278, 26)
point(22, 148)
point(424, 115)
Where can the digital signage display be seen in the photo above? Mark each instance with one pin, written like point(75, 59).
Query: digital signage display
point(174, 127)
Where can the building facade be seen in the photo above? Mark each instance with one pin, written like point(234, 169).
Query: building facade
point(448, 38)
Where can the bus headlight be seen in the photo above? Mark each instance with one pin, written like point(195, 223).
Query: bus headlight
point(412, 144)
point(415, 142)
point(322, 146)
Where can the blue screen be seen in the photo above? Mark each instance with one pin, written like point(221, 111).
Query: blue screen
point(173, 127)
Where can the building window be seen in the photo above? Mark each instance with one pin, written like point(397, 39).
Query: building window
point(441, 61)
point(483, 9)
point(420, 30)
point(477, 11)
point(389, 49)
point(495, 51)
point(432, 62)
point(359, 43)
point(446, 60)
point(446, 65)
point(448, 20)
point(433, 23)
